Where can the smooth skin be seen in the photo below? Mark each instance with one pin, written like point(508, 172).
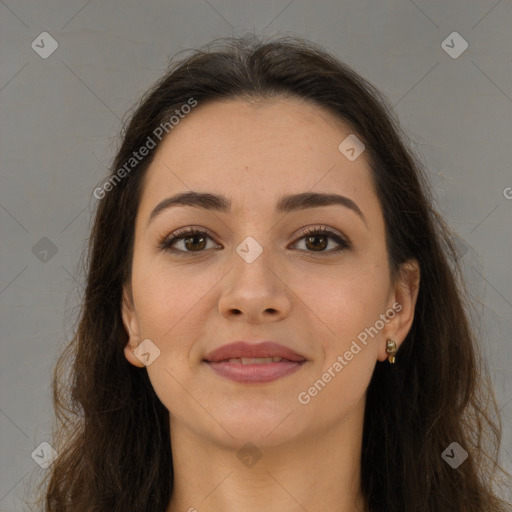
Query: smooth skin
point(299, 294)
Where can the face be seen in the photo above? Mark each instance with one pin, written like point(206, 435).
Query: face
point(311, 276)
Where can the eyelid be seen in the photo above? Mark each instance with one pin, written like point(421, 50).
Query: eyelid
point(179, 234)
point(318, 230)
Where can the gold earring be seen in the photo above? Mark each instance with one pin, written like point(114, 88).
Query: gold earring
point(391, 351)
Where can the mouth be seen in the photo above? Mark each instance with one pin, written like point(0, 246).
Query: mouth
point(254, 363)
point(254, 360)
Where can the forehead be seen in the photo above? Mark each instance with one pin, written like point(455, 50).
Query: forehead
point(254, 152)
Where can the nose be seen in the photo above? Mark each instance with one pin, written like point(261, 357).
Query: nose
point(255, 291)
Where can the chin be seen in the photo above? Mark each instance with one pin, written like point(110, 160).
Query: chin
point(263, 425)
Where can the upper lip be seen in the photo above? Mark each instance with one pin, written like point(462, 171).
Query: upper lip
point(240, 349)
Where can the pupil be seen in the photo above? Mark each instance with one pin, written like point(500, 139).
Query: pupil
point(322, 245)
point(194, 237)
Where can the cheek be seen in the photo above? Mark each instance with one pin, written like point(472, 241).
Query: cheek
point(344, 300)
point(337, 392)
point(169, 298)
point(346, 308)
point(349, 356)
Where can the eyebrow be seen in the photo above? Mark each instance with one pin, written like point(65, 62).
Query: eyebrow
point(286, 204)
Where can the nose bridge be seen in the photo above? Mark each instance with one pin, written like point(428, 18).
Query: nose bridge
point(251, 262)
point(255, 231)
point(254, 286)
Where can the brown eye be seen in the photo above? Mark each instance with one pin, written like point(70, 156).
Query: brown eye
point(195, 241)
point(191, 240)
point(317, 240)
point(313, 240)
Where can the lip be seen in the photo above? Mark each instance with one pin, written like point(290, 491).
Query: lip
point(244, 349)
point(218, 361)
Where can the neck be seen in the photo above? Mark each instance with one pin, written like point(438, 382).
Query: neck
point(319, 471)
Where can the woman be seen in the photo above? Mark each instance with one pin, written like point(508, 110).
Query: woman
point(274, 316)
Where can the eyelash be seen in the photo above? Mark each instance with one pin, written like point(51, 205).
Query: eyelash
point(166, 243)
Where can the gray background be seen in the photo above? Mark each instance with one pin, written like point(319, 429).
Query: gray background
point(60, 119)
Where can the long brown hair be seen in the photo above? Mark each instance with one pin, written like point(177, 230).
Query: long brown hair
point(112, 432)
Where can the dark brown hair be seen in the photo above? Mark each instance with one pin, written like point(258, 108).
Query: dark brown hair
point(112, 432)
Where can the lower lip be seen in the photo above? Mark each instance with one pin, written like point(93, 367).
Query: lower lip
point(254, 373)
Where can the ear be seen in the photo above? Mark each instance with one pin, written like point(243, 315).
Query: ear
point(403, 302)
point(131, 325)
